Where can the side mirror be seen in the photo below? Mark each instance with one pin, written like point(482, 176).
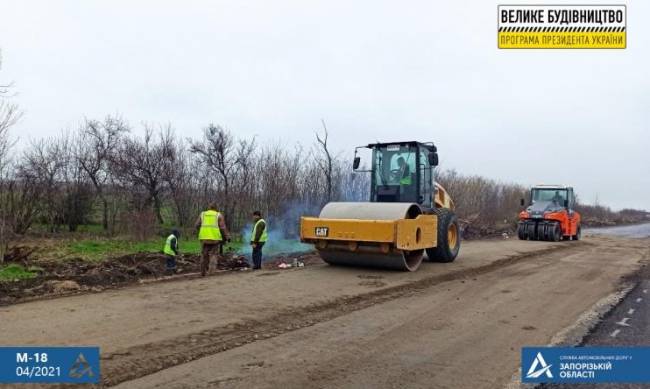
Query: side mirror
point(522, 202)
point(355, 164)
point(433, 159)
point(566, 203)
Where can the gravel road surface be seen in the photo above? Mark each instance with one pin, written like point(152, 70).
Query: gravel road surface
point(457, 325)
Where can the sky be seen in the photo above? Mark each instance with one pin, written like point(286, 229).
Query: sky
point(373, 70)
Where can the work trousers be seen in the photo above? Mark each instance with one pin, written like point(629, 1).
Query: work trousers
point(257, 256)
point(209, 253)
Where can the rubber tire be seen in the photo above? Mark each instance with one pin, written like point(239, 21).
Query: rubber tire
point(578, 234)
point(442, 252)
point(546, 231)
point(557, 232)
point(540, 231)
point(531, 231)
point(521, 231)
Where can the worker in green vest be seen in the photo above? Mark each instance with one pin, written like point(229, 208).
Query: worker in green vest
point(171, 251)
point(211, 226)
point(404, 172)
point(259, 236)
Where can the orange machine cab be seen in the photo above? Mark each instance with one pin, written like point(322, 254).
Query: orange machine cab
point(549, 215)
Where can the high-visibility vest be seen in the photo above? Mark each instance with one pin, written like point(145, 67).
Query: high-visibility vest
point(210, 226)
point(168, 245)
point(405, 180)
point(264, 236)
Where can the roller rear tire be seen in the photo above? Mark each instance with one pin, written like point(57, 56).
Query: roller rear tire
point(448, 237)
point(578, 234)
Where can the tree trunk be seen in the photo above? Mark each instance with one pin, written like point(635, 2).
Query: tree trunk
point(157, 207)
point(104, 213)
point(226, 203)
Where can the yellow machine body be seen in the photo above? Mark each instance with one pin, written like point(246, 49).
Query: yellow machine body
point(403, 234)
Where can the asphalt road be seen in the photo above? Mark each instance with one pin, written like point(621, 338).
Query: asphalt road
point(631, 231)
point(628, 324)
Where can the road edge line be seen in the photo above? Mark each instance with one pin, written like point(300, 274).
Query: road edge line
point(575, 333)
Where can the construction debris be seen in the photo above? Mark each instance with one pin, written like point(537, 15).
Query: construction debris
point(78, 275)
point(296, 263)
point(62, 286)
point(233, 262)
point(19, 254)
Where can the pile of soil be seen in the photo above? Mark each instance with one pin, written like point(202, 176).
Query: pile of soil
point(74, 275)
point(77, 275)
point(18, 253)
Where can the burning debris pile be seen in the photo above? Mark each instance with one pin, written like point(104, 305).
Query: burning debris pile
point(232, 261)
point(287, 261)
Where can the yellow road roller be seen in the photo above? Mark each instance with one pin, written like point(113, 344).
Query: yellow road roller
point(408, 214)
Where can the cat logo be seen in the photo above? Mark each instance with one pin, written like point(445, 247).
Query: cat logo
point(81, 368)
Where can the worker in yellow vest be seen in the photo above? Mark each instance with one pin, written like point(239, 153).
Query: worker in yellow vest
point(171, 250)
point(211, 226)
point(259, 236)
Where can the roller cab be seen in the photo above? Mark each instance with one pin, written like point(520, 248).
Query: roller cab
point(408, 214)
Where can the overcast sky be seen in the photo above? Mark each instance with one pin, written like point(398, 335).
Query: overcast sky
point(374, 70)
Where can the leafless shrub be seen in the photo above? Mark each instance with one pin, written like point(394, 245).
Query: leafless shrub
point(484, 206)
point(139, 224)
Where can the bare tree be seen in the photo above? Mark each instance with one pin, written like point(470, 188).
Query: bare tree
point(77, 190)
point(220, 155)
point(325, 160)
point(180, 176)
point(20, 198)
point(141, 163)
point(4, 88)
point(5, 145)
point(244, 180)
point(98, 142)
point(9, 116)
point(44, 163)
